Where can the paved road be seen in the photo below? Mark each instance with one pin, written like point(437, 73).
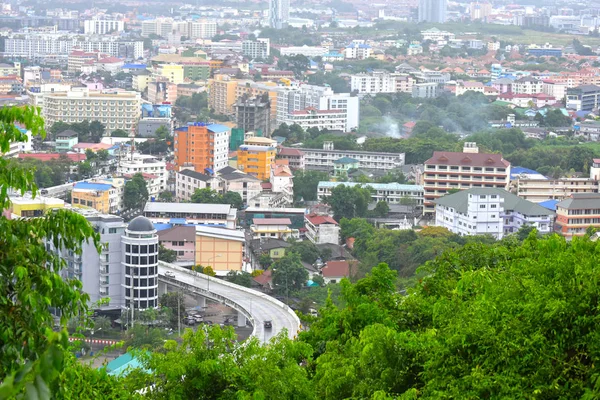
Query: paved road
point(261, 306)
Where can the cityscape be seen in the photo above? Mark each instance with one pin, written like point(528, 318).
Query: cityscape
point(283, 200)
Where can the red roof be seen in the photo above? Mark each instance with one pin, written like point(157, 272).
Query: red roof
point(287, 151)
point(110, 60)
point(410, 124)
point(264, 278)
point(320, 219)
point(75, 157)
point(471, 159)
point(271, 221)
point(170, 166)
point(266, 185)
point(337, 269)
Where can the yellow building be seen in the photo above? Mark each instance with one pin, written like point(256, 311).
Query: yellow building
point(139, 82)
point(224, 91)
point(221, 94)
point(256, 160)
point(172, 72)
point(27, 207)
point(220, 248)
point(92, 195)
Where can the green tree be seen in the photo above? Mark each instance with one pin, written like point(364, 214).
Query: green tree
point(205, 196)
point(135, 193)
point(172, 301)
point(234, 199)
point(33, 356)
point(166, 196)
point(96, 131)
point(306, 183)
point(307, 250)
point(102, 154)
point(289, 273)
point(166, 255)
point(381, 209)
point(216, 366)
point(265, 260)
point(85, 169)
point(240, 278)
point(349, 201)
point(119, 133)
point(162, 132)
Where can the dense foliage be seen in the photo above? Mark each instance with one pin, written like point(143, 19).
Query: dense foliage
point(210, 196)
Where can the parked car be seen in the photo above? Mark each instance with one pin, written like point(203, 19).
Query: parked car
point(189, 321)
point(169, 274)
point(268, 324)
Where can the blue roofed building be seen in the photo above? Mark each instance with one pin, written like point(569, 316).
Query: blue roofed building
point(123, 365)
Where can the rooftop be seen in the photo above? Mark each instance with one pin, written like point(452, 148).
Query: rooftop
point(196, 175)
point(178, 233)
point(459, 201)
point(320, 219)
point(472, 159)
point(192, 208)
point(75, 157)
point(346, 160)
point(221, 233)
point(92, 186)
point(271, 221)
point(376, 186)
point(581, 201)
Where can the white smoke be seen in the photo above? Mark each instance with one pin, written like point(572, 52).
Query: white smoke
point(389, 127)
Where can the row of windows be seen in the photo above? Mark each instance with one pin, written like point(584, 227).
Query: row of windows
point(141, 249)
point(144, 282)
point(143, 304)
point(143, 260)
point(141, 271)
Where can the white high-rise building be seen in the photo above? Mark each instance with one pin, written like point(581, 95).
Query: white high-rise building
point(102, 26)
point(279, 13)
point(259, 48)
point(139, 248)
point(433, 11)
point(115, 109)
point(202, 29)
point(319, 98)
point(35, 46)
point(101, 274)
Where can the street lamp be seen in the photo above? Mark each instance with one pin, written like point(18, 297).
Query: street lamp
point(209, 260)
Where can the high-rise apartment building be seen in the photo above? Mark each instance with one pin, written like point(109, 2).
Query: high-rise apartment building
point(205, 146)
point(102, 26)
point(100, 273)
point(259, 48)
point(139, 248)
point(256, 160)
point(318, 98)
point(203, 29)
point(480, 11)
point(447, 171)
point(254, 114)
point(35, 46)
point(279, 13)
point(433, 11)
point(116, 110)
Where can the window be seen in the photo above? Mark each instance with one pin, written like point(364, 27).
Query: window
point(493, 206)
point(135, 248)
point(112, 230)
point(144, 249)
point(128, 248)
point(143, 260)
point(482, 206)
point(135, 260)
point(128, 260)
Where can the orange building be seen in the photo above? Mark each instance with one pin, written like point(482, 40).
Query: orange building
point(205, 146)
point(256, 160)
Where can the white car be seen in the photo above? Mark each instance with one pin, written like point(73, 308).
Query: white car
point(169, 274)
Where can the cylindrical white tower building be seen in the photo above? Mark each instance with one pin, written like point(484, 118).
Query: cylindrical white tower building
point(140, 260)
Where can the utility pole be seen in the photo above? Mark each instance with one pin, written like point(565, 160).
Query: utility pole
point(179, 313)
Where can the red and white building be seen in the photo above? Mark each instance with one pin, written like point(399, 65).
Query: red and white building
point(447, 171)
point(321, 229)
point(527, 100)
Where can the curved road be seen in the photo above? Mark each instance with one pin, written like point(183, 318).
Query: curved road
point(260, 306)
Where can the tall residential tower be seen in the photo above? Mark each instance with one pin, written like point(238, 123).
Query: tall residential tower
point(279, 13)
point(433, 10)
